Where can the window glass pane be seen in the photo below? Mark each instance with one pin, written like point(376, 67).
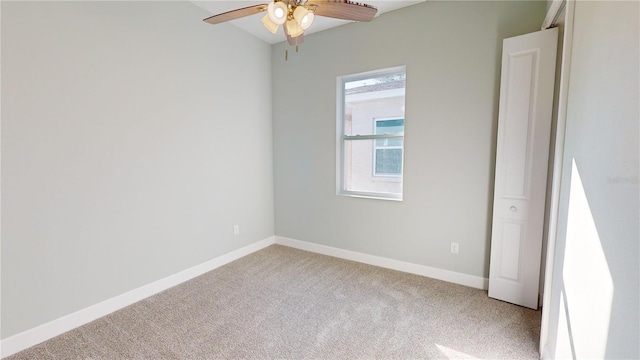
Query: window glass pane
point(370, 98)
point(388, 161)
point(361, 165)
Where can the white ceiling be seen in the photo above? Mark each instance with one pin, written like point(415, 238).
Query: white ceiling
point(253, 25)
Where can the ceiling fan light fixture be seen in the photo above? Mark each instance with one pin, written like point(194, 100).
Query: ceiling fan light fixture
point(277, 11)
point(303, 16)
point(293, 28)
point(270, 25)
point(296, 16)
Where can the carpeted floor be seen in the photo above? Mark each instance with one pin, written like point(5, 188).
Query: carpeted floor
point(289, 304)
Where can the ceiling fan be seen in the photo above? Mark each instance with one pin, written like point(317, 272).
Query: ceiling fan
point(297, 15)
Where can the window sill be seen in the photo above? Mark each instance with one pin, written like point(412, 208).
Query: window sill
point(375, 196)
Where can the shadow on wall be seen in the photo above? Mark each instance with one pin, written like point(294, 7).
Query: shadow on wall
point(591, 303)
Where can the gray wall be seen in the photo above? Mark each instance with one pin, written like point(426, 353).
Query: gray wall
point(595, 299)
point(452, 52)
point(134, 136)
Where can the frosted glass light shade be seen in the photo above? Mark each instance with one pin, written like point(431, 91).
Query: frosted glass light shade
point(293, 28)
point(277, 11)
point(270, 25)
point(303, 16)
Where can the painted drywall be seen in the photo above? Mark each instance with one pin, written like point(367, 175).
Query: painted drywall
point(594, 312)
point(134, 136)
point(452, 51)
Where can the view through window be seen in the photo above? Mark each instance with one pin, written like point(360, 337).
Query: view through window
point(371, 125)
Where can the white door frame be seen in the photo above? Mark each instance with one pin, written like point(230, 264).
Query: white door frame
point(550, 20)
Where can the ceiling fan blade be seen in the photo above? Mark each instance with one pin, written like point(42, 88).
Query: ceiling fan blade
point(295, 41)
point(236, 14)
point(343, 9)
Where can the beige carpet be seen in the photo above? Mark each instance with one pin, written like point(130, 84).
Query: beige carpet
point(282, 303)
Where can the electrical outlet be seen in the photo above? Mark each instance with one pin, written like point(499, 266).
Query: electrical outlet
point(454, 248)
point(236, 229)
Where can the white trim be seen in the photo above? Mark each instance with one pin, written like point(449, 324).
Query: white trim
point(544, 355)
point(553, 14)
point(0, 177)
point(375, 196)
point(34, 336)
point(565, 72)
point(440, 274)
point(340, 154)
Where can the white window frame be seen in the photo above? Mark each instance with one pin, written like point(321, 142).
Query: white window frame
point(341, 138)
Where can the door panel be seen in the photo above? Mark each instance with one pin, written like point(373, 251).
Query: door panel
point(511, 246)
point(524, 125)
point(520, 80)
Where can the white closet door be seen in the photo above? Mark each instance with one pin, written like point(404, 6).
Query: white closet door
point(524, 125)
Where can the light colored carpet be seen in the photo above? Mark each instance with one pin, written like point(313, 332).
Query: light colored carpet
point(282, 303)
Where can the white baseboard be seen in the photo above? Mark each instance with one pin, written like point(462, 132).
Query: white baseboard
point(440, 274)
point(34, 336)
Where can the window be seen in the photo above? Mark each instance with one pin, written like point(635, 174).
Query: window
point(370, 130)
